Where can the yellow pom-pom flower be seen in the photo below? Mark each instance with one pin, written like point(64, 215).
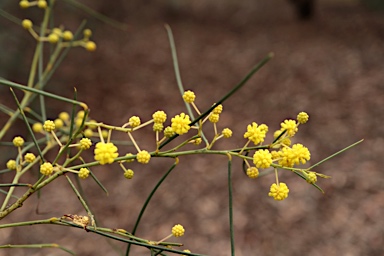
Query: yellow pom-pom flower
point(42, 4)
point(90, 46)
point(311, 178)
point(49, 126)
point(295, 155)
point(37, 127)
point(58, 123)
point(143, 157)
point(178, 230)
point(302, 118)
point(217, 110)
point(256, 133)
point(18, 141)
point(279, 192)
point(252, 172)
point(27, 24)
point(64, 116)
point(128, 174)
point(134, 121)
point(262, 158)
point(11, 164)
point(290, 126)
point(158, 127)
point(83, 173)
point(88, 133)
point(24, 4)
point(105, 153)
point(227, 133)
point(85, 143)
point(214, 118)
point(180, 124)
point(29, 157)
point(168, 132)
point(104, 133)
point(53, 38)
point(189, 96)
point(67, 35)
point(80, 114)
point(87, 33)
point(46, 169)
point(159, 117)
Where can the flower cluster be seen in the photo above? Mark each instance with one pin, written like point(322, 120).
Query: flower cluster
point(262, 158)
point(256, 133)
point(288, 157)
point(83, 173)
point(18, 141)
point(178, 230)
point(46, 169)
point(49, 126)
point(180, 124)
point(143, 157)
point(105, 153)
point(252, 172)
point(279, 191)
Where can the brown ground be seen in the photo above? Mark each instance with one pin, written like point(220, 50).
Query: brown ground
point(332, 67)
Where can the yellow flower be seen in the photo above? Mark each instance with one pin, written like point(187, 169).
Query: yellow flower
point(37, 127)
point(53, 38)
point(168, 132)
point(58, 123)
point(252, 172)
point(218, 109)
point(46, 169)
point(180, 124)
point(67, 35)
point(42, 4)
point(18, 141)
point(128, 174)
point(159, 116)
point(85, 143)
point(29, 157)
point(295, 155)
point(227, 133)
point(134, 121)
point(256, 133)
point(88, 133)
point(262, 158)
point(24, 4)
point(311, 178)
point(83, 173)
point(290, 126)
point(49, 126)
point(90, 46)
point(178, 230)
point(64, 116)
point(11, 164)
point(143, 157)
point(189, 96)
point(302, 118)
point(214, 118)
point(158, 127)
point(105, 153)
point(27, 24)
point(279, 192)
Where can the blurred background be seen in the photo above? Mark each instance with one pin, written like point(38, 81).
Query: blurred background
point(329, 62)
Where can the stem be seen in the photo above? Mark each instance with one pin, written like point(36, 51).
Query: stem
point(148, 200)
point(230, 207)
